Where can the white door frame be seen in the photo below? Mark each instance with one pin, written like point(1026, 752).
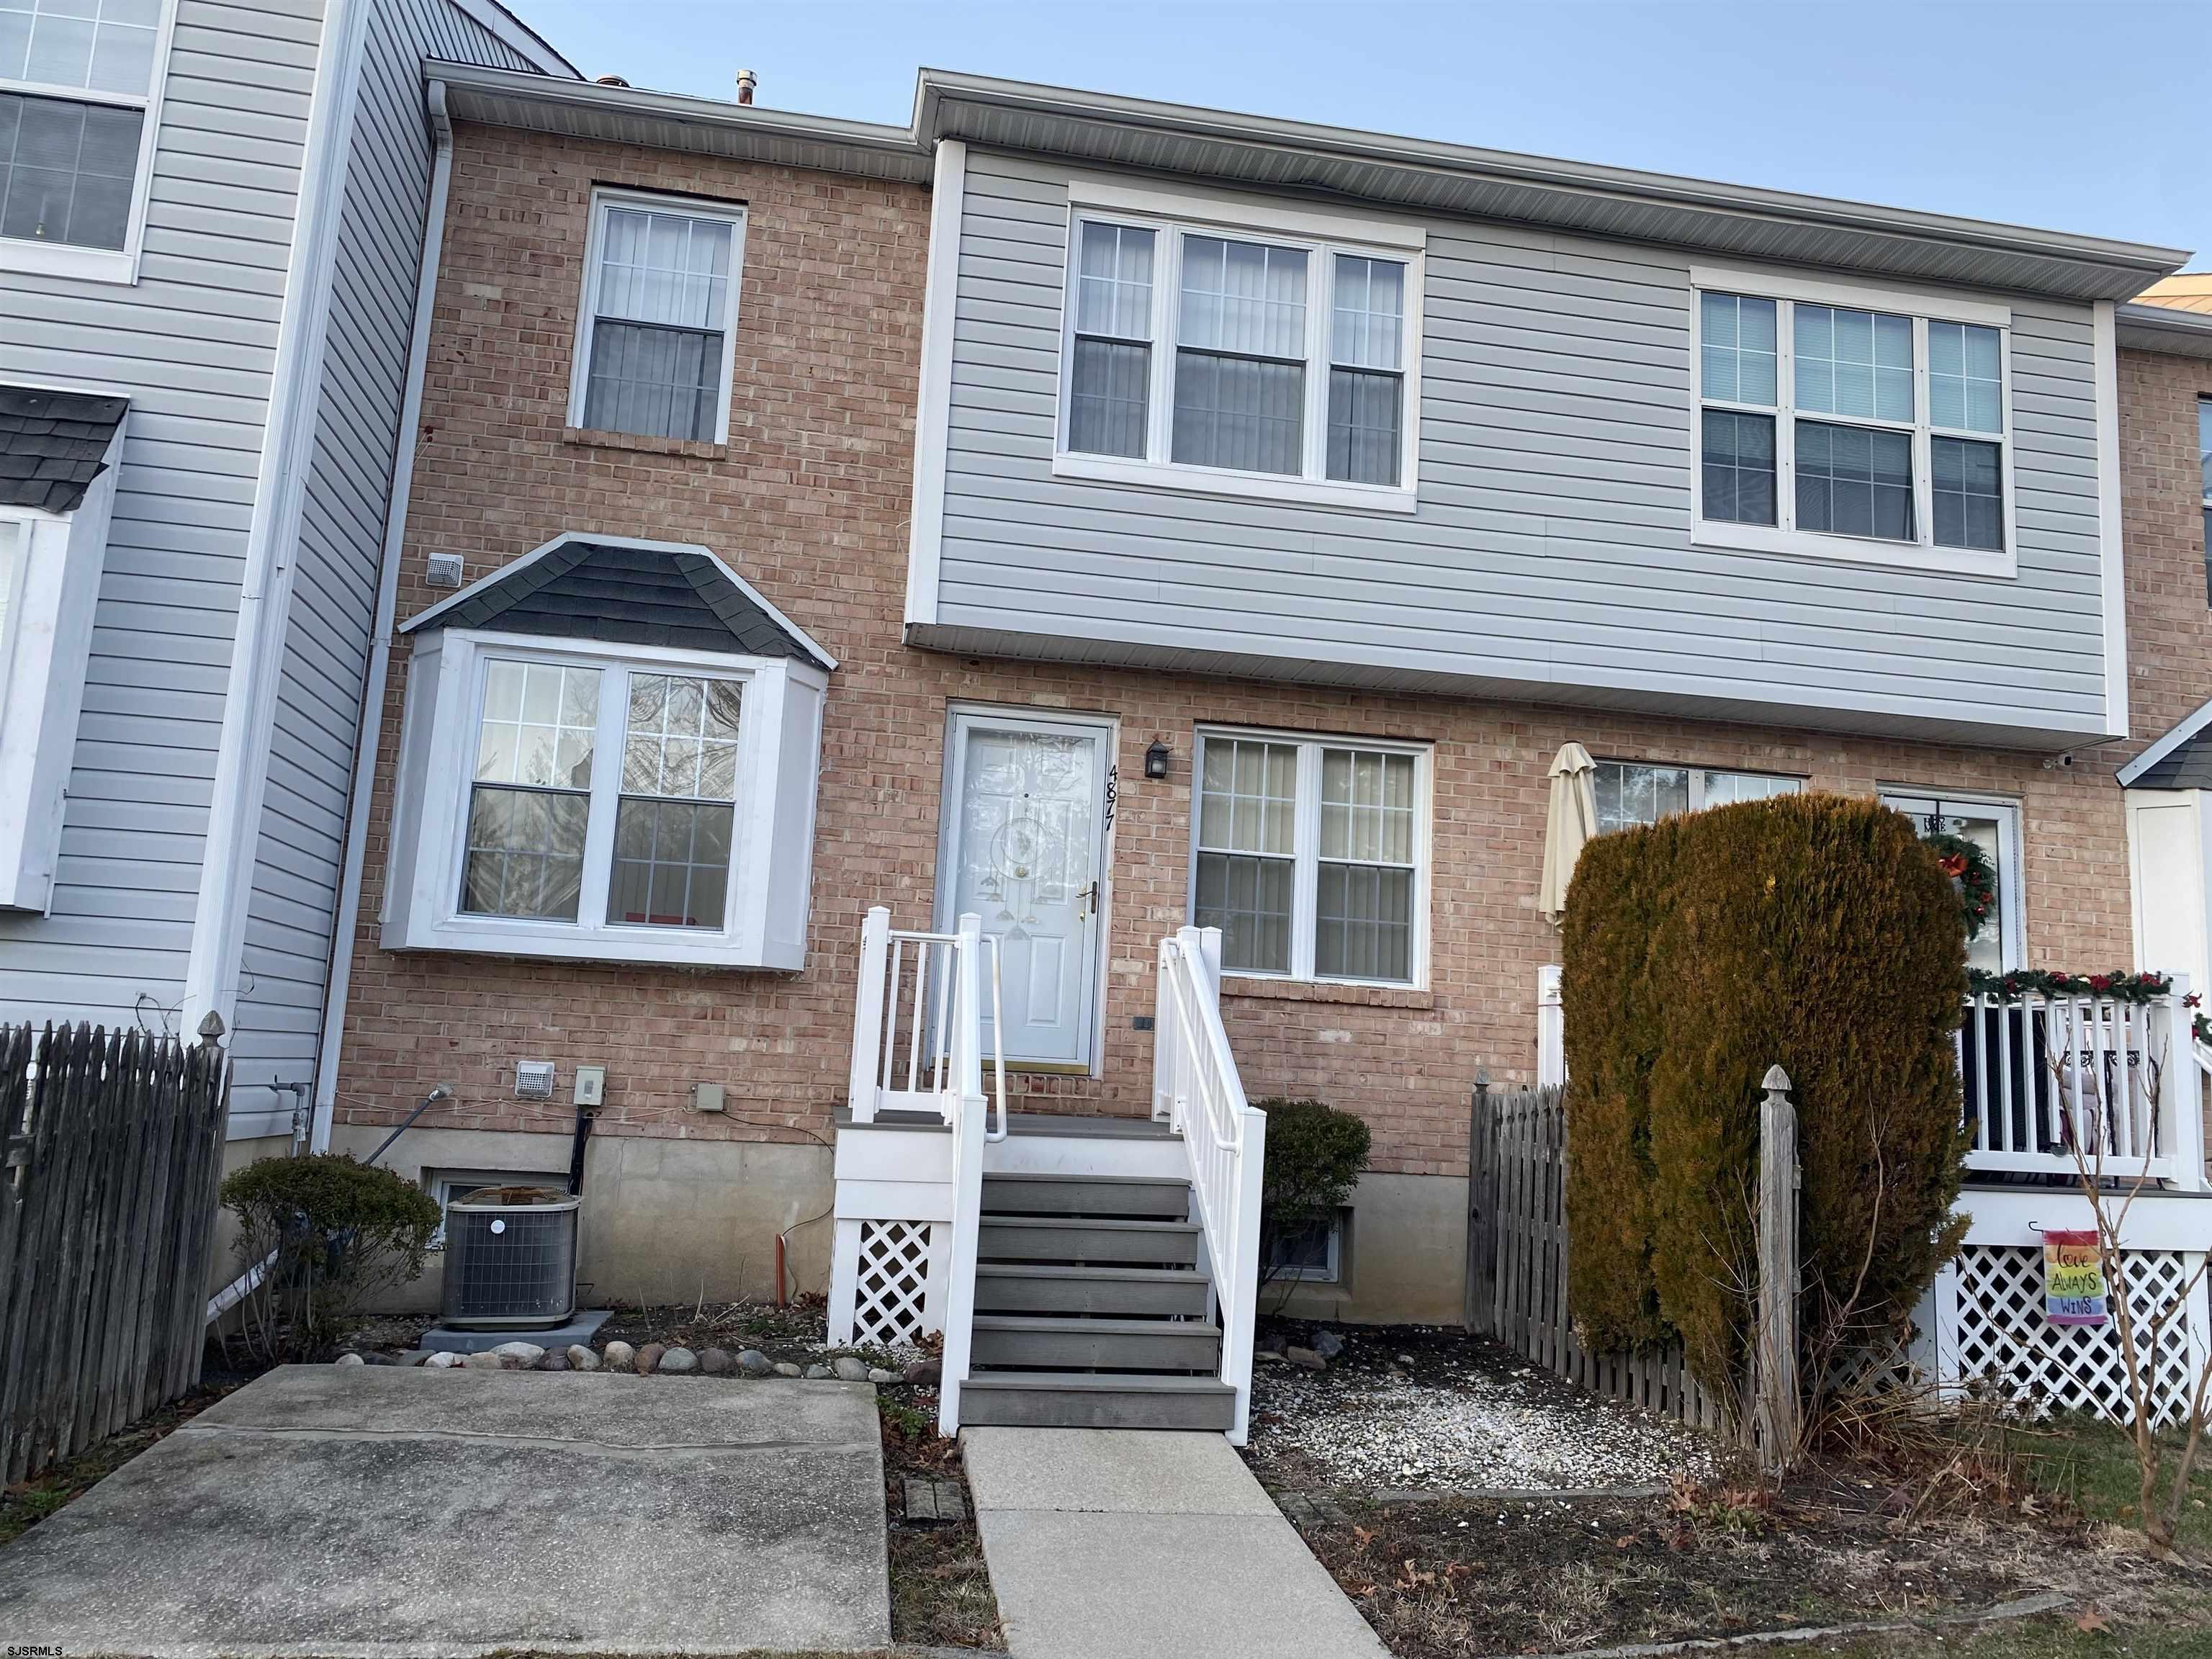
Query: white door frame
point(1916, 800)
point(962, 717)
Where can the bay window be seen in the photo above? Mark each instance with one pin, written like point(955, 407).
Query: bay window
point(586, 774)
point(78, 91)
point(1239, 356)
point(1873, 431)
point(656, 331)
point(1310, 855)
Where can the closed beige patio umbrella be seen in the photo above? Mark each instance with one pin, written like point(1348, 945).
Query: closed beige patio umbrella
point(1571, 820)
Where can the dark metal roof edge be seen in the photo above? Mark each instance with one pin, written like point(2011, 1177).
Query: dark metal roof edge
point(2133, 265)
point(679, 114)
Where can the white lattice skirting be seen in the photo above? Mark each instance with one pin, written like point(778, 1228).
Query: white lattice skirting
point(2001, 1338)
point(881, 1281)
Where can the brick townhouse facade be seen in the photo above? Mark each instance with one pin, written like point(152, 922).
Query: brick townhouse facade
point(808, 500)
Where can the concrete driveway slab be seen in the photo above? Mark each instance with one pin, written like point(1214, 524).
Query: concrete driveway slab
point(390, 1513)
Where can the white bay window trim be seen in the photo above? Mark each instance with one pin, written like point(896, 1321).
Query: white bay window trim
point(1173, 216)
point(1305, 855)
point(50, 570)
point(772, 831)
point(606, 201)
point(1921, 307)
point(102, 265)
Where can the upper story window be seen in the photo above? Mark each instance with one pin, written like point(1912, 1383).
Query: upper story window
point(656, 332)
point(1629, 792)
point(1207, 349)
point(1311, 855)
point(78, 82)
point(1874, 431)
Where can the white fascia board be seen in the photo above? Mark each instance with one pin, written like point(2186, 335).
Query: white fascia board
point(933, 409)
point(2196, 721)
point(506, 572)
point(249, 710)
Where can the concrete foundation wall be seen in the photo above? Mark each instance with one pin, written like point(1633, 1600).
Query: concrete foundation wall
point(1403, 1260)
point(664, 1220)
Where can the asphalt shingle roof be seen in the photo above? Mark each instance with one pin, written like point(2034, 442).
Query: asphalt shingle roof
point(592, 590)
point(52, 444)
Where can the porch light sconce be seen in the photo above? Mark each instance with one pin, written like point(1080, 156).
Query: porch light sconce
point(1156, 760)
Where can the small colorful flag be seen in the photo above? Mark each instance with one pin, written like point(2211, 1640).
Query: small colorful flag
point(2073, 1288)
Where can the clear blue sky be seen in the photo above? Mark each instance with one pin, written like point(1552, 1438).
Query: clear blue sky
point(2094, 117)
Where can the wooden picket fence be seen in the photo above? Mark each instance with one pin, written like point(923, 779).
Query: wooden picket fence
point(113, 1153)
point(1517, 1260)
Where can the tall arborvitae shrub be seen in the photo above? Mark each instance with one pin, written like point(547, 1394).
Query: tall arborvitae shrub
point(1814, 932)
point(1622, 886)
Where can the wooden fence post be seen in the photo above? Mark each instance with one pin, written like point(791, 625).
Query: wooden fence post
point(1481, 1209)
point(1775, 1352)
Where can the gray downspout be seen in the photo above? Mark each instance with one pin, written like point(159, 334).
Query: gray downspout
point(387, 602)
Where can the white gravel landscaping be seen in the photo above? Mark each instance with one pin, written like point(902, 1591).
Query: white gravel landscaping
point(1442, 1412)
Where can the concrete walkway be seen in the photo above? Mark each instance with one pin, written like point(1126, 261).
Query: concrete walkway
point(391, 1512)
point(1105, 1543)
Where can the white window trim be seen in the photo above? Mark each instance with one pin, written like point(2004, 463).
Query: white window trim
point(103, 265)
point(1332, 1271)
point(46, 644)
point(1306, 842)
point(587, 303)
point(779, 735)
point(1171, 215)
point(1923, 307)
point(1699, 776)
point(1913, 800)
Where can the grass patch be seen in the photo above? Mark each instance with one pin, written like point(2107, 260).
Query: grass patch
point(941, 1594)
point(2094, 1464)
point(2177, 1630)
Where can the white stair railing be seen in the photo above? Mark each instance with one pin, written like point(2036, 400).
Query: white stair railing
point(1196, 1089)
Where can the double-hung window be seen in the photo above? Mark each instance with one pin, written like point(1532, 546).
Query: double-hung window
point(1629, 792)
point(541, 730)
point(1876, 430)
point(1310, 855)
point(656, 336)
point(77, 90)
point(1225, 356)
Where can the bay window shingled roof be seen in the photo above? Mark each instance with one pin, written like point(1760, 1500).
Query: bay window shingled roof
point(52, 445)
point(578, 588)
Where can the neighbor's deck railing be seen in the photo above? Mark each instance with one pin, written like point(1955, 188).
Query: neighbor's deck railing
point(2121, 1081)
point(1196, 1089)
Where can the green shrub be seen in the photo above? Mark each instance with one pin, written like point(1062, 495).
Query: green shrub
point(1620, 891)
point(1814, 932)
point(1314, 1159)
point(332, 1232)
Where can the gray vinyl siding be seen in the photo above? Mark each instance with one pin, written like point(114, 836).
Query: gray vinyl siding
point(299, 854)
point(1550, 554)
point(191, 345)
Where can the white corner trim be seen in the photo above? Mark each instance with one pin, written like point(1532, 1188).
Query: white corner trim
point(1272, 214)
point(799, 636)
point(934, 409)
point(2111, 542)
point(241, 771)
point(1768, 282)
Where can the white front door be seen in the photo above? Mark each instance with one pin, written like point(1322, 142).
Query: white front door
point(1025, 850)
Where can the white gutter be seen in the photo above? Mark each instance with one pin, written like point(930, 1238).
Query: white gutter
point(241, 773)
point(388, 606)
